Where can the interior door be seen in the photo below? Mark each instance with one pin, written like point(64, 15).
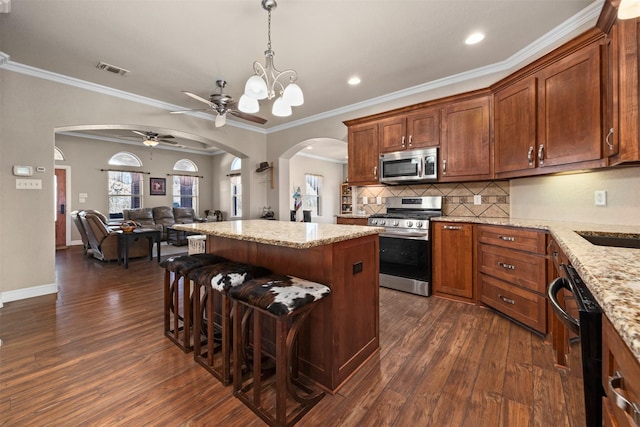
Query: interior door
point(61, 208)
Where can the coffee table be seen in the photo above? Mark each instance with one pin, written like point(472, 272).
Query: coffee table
point(124, 239)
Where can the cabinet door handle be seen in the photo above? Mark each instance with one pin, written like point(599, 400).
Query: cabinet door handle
point(607, 139)
point(410, 139)
point(507, 238)
point(444, 167)
point(632, 409)
point(530, 156)
point(541, 154)
point(506, 266)
point(403, 141)
point(507, 300)
point(451, 227)
point(375, 172)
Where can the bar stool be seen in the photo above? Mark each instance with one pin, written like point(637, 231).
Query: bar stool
point(180, 266)
point(288, 300)
point(213, 283)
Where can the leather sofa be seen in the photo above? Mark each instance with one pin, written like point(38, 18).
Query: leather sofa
point(103, 241)
point(160, 217)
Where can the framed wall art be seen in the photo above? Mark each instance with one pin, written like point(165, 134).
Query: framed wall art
point(157, 186)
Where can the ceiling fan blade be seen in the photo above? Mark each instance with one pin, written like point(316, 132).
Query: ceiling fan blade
point(165, 136)
point(168, 142)
point(196, 97)
point(137, 132)
point(248, 117)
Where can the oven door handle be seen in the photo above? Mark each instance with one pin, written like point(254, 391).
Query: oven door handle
point(409, 235)
point(552, 293)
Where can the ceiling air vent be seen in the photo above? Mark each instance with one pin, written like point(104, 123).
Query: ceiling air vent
point(112, 68)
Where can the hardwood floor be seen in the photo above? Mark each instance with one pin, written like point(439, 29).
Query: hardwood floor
point(96, 355)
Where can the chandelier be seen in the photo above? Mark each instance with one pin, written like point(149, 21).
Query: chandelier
point(268, 82)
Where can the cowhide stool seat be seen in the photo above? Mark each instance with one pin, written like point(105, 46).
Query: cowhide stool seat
point(213, 283)
point(177, 324)
point(288, 301)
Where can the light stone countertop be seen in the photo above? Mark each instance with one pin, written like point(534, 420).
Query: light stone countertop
point(299, 235)
point(611, 274)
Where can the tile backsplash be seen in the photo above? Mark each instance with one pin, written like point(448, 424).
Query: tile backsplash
point(457, 197)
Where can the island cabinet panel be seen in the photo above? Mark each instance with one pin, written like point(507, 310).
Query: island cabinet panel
point(514, 115)
point(363, 154)
point(465, 147)
point(621, 367)
point(342, 332)
point(351, 221)
point(453, 260)
point(512, 273)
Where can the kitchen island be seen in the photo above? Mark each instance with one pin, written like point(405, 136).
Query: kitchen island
point(342, 332)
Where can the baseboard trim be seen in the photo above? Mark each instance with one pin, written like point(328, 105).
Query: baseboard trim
point(35, 291)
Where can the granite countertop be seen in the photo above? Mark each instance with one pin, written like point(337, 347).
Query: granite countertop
point(299, 235)
point(611, 274)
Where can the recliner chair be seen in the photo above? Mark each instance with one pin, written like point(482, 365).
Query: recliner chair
point(104, 241)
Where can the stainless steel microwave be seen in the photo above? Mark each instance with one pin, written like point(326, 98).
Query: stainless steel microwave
point(403, 167)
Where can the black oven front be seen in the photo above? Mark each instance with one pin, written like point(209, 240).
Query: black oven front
point(405, 261)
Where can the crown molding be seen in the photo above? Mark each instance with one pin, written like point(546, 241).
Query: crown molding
point(588, 15)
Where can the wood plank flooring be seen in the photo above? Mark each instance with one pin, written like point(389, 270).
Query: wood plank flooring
point(96, 355)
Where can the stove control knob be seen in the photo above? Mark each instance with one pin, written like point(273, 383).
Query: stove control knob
point(419, 224)
point(374, 221)
point(396, 222)
point(409, 223)
point(383, 222)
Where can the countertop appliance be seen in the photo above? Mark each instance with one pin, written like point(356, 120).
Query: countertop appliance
point(405, 248)
point(402, 167)
point(588, 327)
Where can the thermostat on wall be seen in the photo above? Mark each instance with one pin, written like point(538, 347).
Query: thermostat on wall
point(22, 170)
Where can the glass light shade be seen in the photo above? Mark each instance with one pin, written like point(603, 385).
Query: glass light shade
point(150, 142)
point(281, 108)
point(248, 104)
point(221, 120)
point(292, 95)
point(629, 9)
point(256, 88)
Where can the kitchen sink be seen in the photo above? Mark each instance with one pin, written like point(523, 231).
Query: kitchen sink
point(618, 240)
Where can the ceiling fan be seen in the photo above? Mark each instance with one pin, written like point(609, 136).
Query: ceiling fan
point(221, 104)
point(151, 139)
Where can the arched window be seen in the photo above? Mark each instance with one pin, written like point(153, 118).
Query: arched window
point(57, 154)
point(125, 188)
point(185, 187)
point(236, 187)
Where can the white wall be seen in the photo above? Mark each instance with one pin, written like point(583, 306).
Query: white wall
point(571, 197)
point(330, 191)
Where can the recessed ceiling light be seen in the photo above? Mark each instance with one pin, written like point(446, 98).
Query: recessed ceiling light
point(474, 38)
point(355, 80)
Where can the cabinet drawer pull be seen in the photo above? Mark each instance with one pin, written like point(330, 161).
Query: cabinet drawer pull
point(507, 238)
point(507, 300)
point(507, 266)
point(617, 382)
point(444, 167)
point(530, 155)
point(410, 138)
point(452, 227)
point(403, 142)
point(375, 172)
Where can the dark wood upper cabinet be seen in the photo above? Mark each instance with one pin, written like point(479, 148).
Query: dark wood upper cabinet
point(363, 154)
point(570, 109)
point(515, 118)
point(465, 148)
point(419, 129)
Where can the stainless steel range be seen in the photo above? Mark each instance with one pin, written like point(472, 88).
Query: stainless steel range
point(405, 248)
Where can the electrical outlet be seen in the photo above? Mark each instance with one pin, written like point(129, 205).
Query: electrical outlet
point(365, 200)
point(378, 200)
point(477, 199)
point(601, 198)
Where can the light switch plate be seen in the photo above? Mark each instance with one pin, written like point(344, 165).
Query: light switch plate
point(28, 184)
point(477, 199)
point(365, 200)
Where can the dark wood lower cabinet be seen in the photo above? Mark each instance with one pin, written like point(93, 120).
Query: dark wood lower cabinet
point(453, 267)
